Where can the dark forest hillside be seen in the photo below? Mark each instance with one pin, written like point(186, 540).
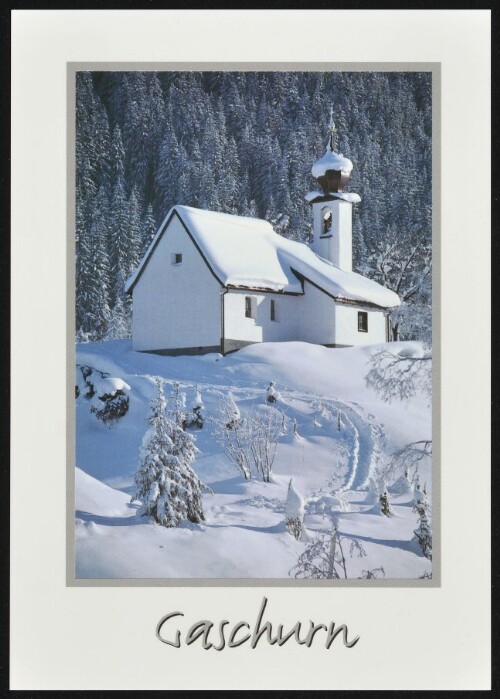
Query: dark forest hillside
point(244, 143)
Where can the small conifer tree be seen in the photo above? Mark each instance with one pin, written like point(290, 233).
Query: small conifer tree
point(272, 395)
point(166, 485)
point(423, 533)
point(197, 418)
point(178, 411)
point(384, 504)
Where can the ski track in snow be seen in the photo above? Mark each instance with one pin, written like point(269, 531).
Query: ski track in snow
point(360, 434)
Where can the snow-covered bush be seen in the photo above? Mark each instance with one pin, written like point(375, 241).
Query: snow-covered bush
point(248, 441)
point(230, 434)
point(401, 374)
point(108, 396)
point(263, 429)
point(325, 557)
point(196, 419)
point(328, 504)
point(294, 511)
point(165, 484)
point(407, 460)
point(373, 574)
point(110, 400)
point(84, 385)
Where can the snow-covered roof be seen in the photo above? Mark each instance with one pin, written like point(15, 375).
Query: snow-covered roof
point(350, 197)
point(331, 161)
point(246, 252)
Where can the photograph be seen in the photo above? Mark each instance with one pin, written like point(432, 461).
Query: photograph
point(253, 307)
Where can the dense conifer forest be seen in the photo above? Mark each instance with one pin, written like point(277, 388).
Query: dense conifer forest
point(244, 143)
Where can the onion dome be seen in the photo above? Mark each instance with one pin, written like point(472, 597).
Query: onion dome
point(332, 170)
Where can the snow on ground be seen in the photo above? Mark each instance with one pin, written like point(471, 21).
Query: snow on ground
point(343, 434)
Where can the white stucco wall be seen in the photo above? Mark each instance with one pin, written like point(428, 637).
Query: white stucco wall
point(337, 245)
point(313, 317)
point(316, 317)
point(308, 318)
point(260, 328)
point(346, 322)
point(176, 306)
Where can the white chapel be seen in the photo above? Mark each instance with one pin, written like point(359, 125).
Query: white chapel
point(214, 282)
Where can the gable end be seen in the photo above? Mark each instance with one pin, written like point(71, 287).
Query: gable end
point(159, 236)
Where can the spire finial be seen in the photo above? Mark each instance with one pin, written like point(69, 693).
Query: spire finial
point(332, 128)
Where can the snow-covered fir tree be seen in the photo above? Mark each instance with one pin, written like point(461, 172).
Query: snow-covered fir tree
point(231, 413)
point(165, 484)
point(418, 494)
point(385, 508)
point(148, 228)
point(272, 395)
point(197, 418)
point(178, 410)
point(119, 327)
point(423, 532)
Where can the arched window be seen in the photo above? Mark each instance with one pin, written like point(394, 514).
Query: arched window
point(326, 221)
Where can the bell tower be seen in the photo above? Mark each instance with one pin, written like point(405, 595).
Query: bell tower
point(332, 208)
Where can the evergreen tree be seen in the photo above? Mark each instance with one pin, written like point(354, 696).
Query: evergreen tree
point(384, 504)
point(92, 307)
point(117, 166)
point(423, 533)
point(197, 418)
point(119, 327)
point(117, 252)
point(165, 484)
point(148, 229)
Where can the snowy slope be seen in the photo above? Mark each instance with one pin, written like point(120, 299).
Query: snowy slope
point(343, 432)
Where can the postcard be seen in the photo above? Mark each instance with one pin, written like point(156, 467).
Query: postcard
point(246, 272)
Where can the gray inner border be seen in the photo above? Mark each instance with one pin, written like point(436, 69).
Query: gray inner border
point(71, 580)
